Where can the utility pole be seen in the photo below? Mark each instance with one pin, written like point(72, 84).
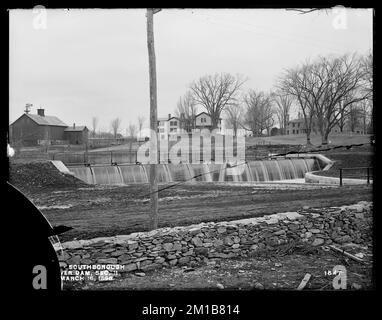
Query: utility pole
point(153, 120)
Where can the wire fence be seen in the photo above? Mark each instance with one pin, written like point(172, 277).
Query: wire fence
point(357, 173)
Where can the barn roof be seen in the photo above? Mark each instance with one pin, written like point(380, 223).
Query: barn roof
point(46, 120)
point(77, 128)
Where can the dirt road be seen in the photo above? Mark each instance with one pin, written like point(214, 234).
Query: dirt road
point(107, 211)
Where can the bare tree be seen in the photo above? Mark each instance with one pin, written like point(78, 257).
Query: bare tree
point(292, 84)
point(115, 124)
point(327, 87)
point(259, 112)
point(186, 110)
point(234, 115)
point(354, 117)
point(215, 92)
point(283, 107)
point(132, 129)
point(333, 85)
point(94, 126)
point(367, 68)
point(141, 121)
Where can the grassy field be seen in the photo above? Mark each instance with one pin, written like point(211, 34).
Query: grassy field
point(356, 157)
point(335, 139)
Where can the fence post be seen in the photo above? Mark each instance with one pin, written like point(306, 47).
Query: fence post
point(368, 175)
point(340, 176)
point(111, 157)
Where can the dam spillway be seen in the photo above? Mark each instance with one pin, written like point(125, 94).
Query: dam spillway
point(249, 171)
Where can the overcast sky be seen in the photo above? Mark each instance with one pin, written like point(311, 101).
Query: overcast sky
point(89, 63)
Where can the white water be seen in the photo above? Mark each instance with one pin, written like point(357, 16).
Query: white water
point(252, 171)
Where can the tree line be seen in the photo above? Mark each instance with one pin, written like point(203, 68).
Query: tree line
point(328, 91)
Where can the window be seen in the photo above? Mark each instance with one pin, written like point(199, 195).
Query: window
point(203, 120)
point(298, 125)
point(173, 123)
point(293, 126)
point(293, 130)
point(161, 130)
point(296, 131)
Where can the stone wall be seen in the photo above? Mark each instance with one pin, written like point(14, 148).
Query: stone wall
point(197, 243)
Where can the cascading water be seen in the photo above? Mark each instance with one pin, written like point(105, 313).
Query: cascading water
point(257, 171)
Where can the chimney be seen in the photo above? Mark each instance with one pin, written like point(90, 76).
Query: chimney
point(41, 112)
point(169, 115)
point(74, 125)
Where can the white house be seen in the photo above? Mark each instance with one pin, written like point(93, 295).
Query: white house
point(203, 121)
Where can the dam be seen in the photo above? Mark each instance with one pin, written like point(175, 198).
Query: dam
point(249, 171)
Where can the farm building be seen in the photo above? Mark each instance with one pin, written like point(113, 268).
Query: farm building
point(39, 129)
point(76, 134)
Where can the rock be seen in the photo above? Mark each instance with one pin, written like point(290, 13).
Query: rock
point(177, 247)
point(145, 263)
point(194, 231)
point(293, 226)
point(108, 250)
point(228, 241)
point(183, 260)
point(201, 251)
point(308, 234)
point(314, 230)
point(220, 286)
point(132, 245)
point(108, 261)
point(173, 262)
point(197, 242)
point(279, 233)
point(306, 207)
point(86, 261)
point(222, 230)
point(168, 246)
point(278, 264)
point(160, 260)
point(64, 256)
point(236, 239)
point(318, 242)
point(129, 267)
point(235, 246)
point(218, 243)
point(140, 274)
point(74, 260)
point(117, 253)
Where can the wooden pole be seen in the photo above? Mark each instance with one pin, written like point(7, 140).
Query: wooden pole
point(153, 122)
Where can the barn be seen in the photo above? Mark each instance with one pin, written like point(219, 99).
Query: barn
point(40, 129)
point(76, 134)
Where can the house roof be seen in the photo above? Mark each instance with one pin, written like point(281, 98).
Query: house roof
point(203, 112)
point(46, 120)
point(77, 128)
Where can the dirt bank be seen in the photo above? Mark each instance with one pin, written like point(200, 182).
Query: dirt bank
point(108, 211)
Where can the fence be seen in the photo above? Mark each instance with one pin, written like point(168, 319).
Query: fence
point(361, 172)
point(101, 157)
